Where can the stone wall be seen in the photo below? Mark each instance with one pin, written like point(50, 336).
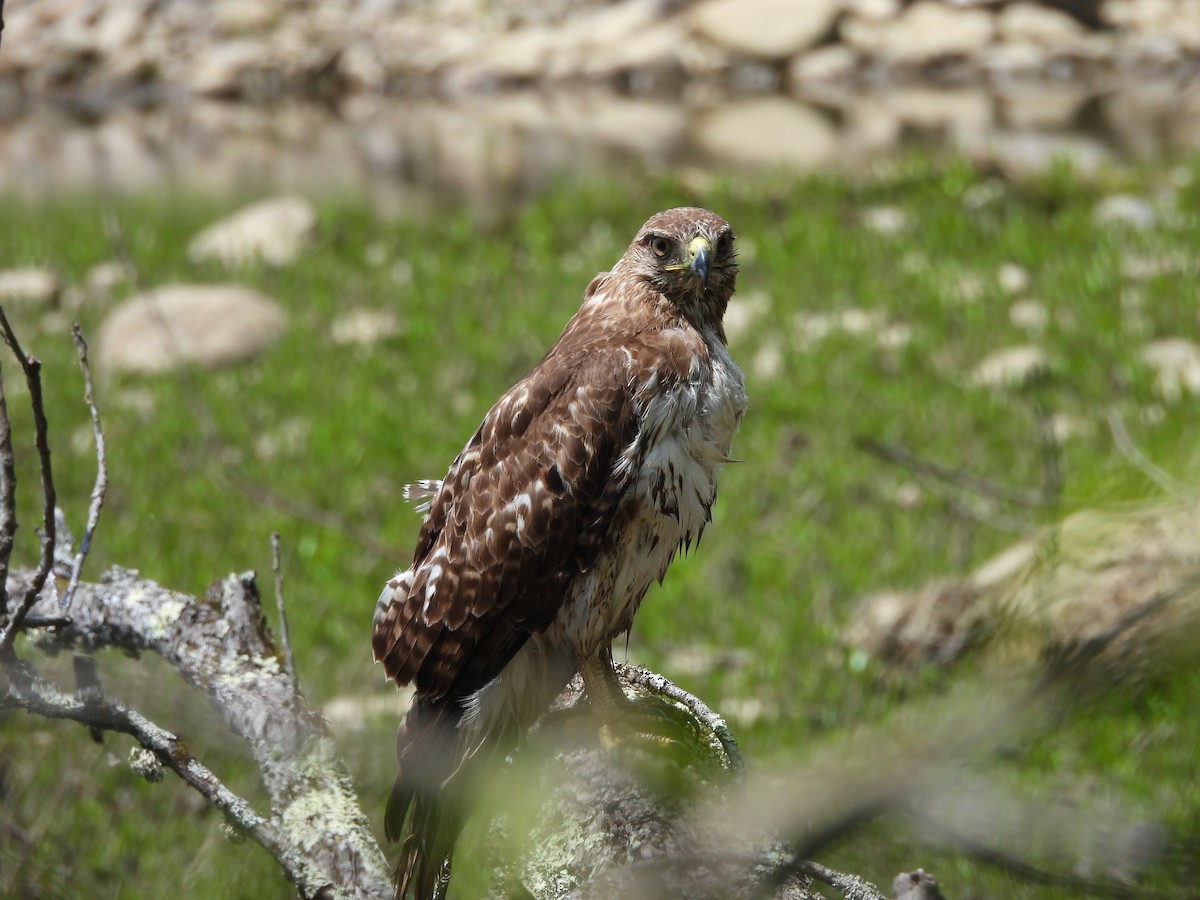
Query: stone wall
point(260, 49)
point(468, 94)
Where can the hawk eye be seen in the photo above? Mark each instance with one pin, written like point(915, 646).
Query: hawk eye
point(660, 245)
point(724, 244)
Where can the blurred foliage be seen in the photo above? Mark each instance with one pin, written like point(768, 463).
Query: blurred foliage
point(850, 331)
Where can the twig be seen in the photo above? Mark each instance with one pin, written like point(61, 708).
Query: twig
point(908, 460)
point(220, 644)
point(100, 487)
point(8, 498)
point(657, 684)
point(1085, 887)
point(33, 378)
point(849, 886)
point(38, 696)
point(277, 569)
point(1130, 451)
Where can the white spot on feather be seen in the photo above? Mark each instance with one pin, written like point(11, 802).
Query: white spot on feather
point(521, 504)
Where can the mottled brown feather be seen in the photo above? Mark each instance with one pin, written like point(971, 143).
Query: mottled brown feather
point(538, 497)
point(516, 583)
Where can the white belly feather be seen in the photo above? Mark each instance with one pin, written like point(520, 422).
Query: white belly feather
point(685, 440)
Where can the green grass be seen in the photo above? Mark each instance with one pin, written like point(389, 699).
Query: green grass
point(804, 527)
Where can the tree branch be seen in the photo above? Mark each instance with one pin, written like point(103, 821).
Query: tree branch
point(37, 696)
point(221, 644)
point(33, 378)
point(101, 484)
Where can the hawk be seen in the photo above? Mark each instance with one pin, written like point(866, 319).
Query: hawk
point(536, 548)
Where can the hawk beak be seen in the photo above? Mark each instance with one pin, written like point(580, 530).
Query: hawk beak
point(700, 257)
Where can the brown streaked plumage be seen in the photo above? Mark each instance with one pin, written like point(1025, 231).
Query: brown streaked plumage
point(572, 497)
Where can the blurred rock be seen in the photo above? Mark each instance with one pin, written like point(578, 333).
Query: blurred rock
point(822, 67)
point(1029, 315)
point(29, 285)
point(885, 219)
point(103, 277)
point(918, 885)
point(1128, 211)
point(769, 29)
point(365, 327)
point(1090, 587)
point(273, 231)
point(926, 31)
point(1176, 362)
point(1040, 25)
point(1010, 366)
point(209, 325)
point(768, 132)
point(1013, 279)
point(1038, 106)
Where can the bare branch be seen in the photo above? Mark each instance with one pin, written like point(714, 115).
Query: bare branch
point(976, 484)
point(8, 499)
point(849, 886)
point(284, 640)
point(101, 484)
point(221, 644)
point(1130, 451)
point(657, 684)
point(39, 697)
point(32, 368)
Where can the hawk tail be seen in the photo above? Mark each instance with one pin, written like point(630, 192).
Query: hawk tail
point(427, 806)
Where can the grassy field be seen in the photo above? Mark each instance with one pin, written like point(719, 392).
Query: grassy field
point(845, 331)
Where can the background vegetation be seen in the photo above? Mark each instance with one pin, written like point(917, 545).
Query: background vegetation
point(316, 440)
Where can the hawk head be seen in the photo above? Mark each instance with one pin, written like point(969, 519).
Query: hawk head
point(687, 255)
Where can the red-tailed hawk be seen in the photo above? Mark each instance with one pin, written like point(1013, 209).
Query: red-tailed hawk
point(537, 547)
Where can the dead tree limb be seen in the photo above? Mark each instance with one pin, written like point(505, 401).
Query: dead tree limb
point(221, 645)
point(100, 487)
point(33, 379)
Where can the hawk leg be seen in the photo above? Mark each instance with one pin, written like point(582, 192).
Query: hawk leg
point(648, 720)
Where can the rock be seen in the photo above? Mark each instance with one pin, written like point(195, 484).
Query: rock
point(1010, 366)
point(1041, 25)
point(273, 231)
point(873, 10)
point(209, 325)
point(118, 27)
point(1012, 61)
point(222, 69)
point(959, 111)
point(1029, 315)
point(1176, 362)
point(768, 132)
point(654, 47)
point(30, 284)
point(1013, 279)
point(1126, 210)
point(365, 327)
point(1023, 154)
point(1040, 106)
point(835, 64)
point(767, 29)
point(885, 219)
point(927, 31)
point(232, 17)
point(103, 277)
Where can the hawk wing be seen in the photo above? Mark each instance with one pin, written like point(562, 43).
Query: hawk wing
point(522, 511)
